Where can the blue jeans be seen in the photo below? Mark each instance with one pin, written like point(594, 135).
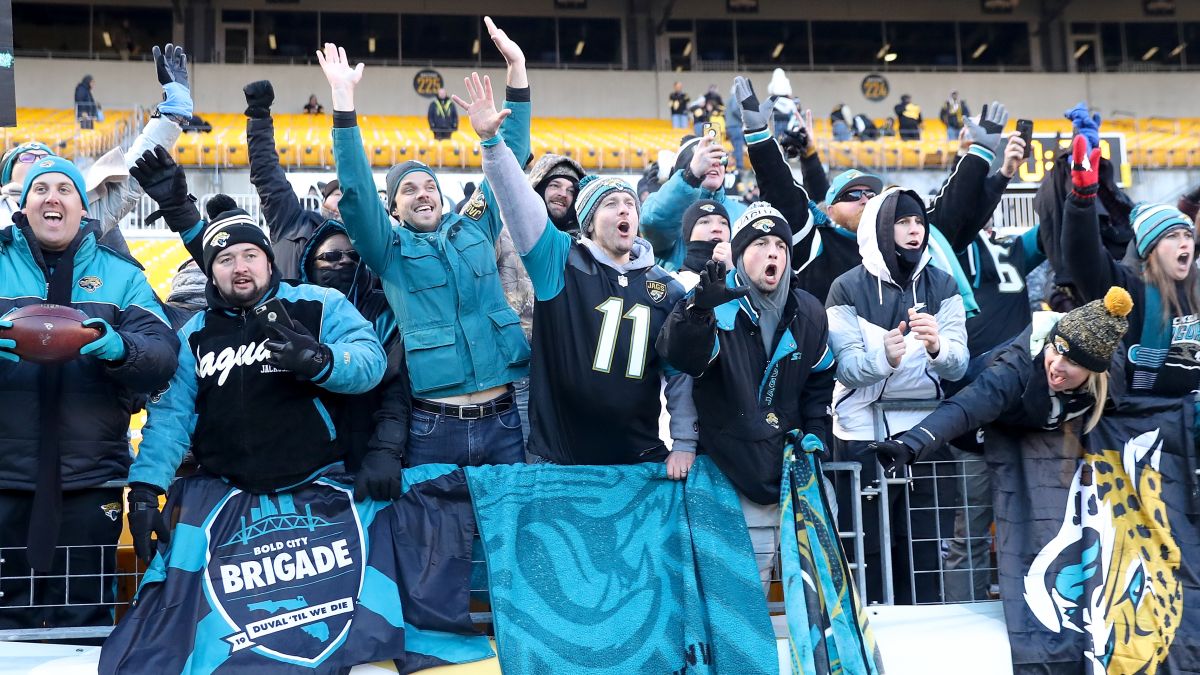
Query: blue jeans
point(440, 439)
point(521, 395)
point(680, 121)
point(952, 133)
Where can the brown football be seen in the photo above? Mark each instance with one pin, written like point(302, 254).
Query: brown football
point(48, 333)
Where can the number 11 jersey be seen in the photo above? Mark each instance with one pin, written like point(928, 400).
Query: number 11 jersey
point(595, 377)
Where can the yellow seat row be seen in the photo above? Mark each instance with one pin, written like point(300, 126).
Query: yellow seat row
point(304, 141)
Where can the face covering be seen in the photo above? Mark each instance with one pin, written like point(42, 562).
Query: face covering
point(906, 262)
point(340, 278)
point(698, 253)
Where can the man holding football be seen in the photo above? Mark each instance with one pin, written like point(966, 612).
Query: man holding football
point(65, 413)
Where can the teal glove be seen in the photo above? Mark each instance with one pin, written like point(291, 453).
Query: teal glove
point(6, 345)
point(108, 347)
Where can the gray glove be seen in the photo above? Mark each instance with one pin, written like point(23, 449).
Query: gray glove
point(754, 114)
point(991, 124)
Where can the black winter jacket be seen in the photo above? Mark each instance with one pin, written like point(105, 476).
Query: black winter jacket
point(290, 225)
point(745, 401)
point(95, 398)
point(1011, 393)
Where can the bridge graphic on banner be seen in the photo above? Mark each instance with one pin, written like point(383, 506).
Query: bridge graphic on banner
point(269, 518)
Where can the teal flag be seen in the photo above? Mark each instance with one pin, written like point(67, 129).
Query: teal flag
point(617, 570)
point(829, 634)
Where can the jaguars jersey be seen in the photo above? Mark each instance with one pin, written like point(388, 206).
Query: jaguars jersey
point(595, 376)
point(997, 271)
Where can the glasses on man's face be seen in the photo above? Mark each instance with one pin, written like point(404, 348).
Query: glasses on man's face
point(336, 256)
point(31, 156)
point(855, 195)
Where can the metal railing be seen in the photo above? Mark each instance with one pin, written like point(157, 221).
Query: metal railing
point(947, 555)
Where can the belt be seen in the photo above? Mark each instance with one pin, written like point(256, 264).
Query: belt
point(500, 404)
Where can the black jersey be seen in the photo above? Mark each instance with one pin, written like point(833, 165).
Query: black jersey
point(595, 378)
point(997, 272)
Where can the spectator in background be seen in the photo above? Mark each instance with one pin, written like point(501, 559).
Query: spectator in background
point(865, 129)
point(443, 118)
point(331, 194)
point(889, 127)
point(713, 97)
point(313, 107)
point(840, 120)
point(909, 116)
point(86, 108)
point(780, 91)
point(952, 114)
point(1189, 203)
point(701, 111)
point(678, 103)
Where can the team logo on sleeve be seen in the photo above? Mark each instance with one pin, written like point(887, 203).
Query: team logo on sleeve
point(90, 283)
point(657, 290)
point(112, 510)
point(475, 208)
point(284, 571)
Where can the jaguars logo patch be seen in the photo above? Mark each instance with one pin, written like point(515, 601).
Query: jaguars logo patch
point(708, 208)
point(763, 224)
point(46, 163)
point(90, 283)
point(1061, 345)
point(112, 510)
point(221, 240)
point(475, 208)
point(773, 420)
point(657, 290)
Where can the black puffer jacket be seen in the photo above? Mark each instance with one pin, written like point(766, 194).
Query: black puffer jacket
point(95, 398)
point(1012, 393)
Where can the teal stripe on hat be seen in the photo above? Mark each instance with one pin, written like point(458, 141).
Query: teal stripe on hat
point(1152, 221)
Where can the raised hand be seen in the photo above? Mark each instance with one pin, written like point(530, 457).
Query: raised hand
point(481, 110)
point(1085, 180)
point(341, 76)
point(171, 64)
point(1014, 155)
point(755, 114)
point(509, 49)
point(925, 327)
point(893, 345)
point(991, 124)
point(707, 156)
point(260, 96)
point(711, 290)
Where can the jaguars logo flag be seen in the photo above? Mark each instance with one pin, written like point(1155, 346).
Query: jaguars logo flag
point(305, 580)
point(1098, 548)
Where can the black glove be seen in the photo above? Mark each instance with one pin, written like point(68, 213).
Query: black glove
point(796, 143)
point(259, 97)
point(145, 519)
point(892, 455)
point(171, 65)
point(295, 349)
point(163, 181)
point(379, 476)
point(711, 291)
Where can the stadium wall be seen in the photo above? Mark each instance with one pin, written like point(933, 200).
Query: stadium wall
point(49, 83)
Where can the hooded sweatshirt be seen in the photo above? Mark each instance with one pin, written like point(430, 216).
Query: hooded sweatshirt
point(867, 302)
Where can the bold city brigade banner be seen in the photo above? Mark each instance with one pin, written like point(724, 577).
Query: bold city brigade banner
point(305, 580)
point(1098, 552)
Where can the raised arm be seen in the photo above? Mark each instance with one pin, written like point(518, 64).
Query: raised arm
point(960, 208)
point(1088, 263)
point(280, 206)
point(776, 184)
point(164, 181)
point(366, 218)
point(116, 195)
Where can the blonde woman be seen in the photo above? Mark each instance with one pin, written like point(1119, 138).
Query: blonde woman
point(1047, 377)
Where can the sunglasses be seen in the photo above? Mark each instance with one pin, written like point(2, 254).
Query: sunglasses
point(855, 195)
point(31, 156)
point(336, 256)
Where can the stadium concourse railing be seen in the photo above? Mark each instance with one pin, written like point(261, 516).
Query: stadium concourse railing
point(947, 525)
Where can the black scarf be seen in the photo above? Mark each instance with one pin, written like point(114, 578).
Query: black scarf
point(698, 254)
point(46, 517)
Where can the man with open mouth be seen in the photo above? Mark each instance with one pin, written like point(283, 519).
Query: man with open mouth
point(759, 341)
point(601, 300)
